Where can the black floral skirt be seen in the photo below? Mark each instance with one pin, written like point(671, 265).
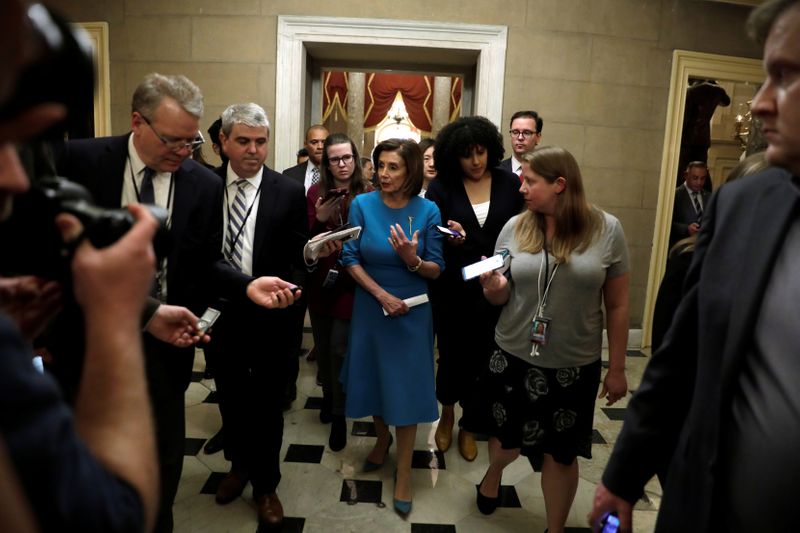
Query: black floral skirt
point(540, 410)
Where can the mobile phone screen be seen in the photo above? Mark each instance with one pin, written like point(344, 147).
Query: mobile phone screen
point(447, 231)
point(610, 524)
point(476, 269)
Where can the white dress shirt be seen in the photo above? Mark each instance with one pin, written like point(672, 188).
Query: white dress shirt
point(309, 175)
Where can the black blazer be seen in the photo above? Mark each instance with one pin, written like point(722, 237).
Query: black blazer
point(505, 164)
point(683, 213)
point(298, 173)
point(281, 232)
point(686, 392)
point(196, 272)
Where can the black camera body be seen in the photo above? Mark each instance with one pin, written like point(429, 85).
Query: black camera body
point(33, 244)
point(63, 72)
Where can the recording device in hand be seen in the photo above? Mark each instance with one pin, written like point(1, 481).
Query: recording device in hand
point(63, 72)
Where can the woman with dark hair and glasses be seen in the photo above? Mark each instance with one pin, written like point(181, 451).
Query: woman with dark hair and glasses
point(330, 288)
point(567, 261)
point(388, 372)
point(476, 199)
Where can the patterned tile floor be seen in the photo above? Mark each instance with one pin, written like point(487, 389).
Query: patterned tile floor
point(325, 491)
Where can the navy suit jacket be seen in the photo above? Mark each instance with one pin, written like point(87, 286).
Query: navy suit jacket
point(686, 392)
point(505, 164)
point(196, 271)
point(683, 213)
point(298, 173)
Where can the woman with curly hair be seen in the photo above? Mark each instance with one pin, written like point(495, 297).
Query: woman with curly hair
point(568, 260)
point(476, 199)
point(330, 287)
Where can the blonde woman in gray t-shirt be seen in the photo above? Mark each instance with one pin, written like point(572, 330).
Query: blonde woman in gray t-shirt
point(536, 397)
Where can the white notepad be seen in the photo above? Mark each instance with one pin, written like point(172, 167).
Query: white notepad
point(411, 302)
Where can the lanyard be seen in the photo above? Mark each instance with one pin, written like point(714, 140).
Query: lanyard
point(246, 216)
point(544, 266)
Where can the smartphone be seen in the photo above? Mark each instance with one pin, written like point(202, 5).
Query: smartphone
point(334, 193)
point(207, 320)
point(446, 231)
point(610, 524)
point(487, 265)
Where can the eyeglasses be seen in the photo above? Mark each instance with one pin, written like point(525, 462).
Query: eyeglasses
point(176, 143)
point(525, 134)
point(346, 158)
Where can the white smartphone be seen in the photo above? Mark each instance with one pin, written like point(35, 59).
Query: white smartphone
point(487, 265)
point(447, 231)
point(207, 320)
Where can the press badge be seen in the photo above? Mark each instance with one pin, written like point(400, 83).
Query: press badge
point(540, 330)
point(330, 279)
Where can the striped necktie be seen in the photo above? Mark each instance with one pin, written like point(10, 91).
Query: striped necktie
point(236, 220)
point(696, 201)
point(147, 195)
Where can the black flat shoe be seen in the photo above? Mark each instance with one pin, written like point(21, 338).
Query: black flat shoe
point(338, 438)
point(487, 505)
point(215, 443)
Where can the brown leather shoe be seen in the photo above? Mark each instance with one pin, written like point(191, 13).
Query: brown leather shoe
point(443, 437)
point(270, 510)
point(232, 486)
point(467, 446)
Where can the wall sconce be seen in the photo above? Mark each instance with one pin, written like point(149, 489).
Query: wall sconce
point(742, 126)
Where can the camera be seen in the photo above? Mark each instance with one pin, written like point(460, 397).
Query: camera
point(37, 246)
point(62, 72)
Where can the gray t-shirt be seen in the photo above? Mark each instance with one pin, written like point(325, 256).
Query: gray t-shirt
point(574, 302)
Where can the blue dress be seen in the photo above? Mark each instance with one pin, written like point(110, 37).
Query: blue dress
point(388, 371)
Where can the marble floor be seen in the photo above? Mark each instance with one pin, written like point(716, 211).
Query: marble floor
point(325, 491)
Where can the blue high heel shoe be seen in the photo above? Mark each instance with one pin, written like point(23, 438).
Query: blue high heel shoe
point(401, 507)
point(369, 466)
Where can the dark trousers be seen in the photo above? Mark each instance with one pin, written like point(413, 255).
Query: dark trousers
point(252, 358)
point(330, 341)
point(168, 371)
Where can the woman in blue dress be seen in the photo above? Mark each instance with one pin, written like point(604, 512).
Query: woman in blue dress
point(388, 372)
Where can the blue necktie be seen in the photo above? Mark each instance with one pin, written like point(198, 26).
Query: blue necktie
point(147, 195)
point(236, 219)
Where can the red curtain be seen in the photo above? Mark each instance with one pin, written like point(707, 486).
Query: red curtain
point(416, 91)
point(334, 94)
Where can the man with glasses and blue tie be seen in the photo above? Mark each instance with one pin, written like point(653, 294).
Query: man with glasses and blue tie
point(526, 133)
point(690, 199)
point(152, 165)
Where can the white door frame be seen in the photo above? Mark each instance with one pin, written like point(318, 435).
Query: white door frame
point(295, 31)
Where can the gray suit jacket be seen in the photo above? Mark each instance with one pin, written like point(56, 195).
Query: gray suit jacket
point(687, 389)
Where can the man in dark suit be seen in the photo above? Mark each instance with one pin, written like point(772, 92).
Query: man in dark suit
point(265, 230)
point(690, 200)
point(719, 401)
point(526, 133)
point(307, 173)
point(152, 165)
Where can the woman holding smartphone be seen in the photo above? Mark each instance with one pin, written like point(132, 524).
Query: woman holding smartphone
point(388, 372)
point(476, 199)
point(331, 289)
point(568, 260)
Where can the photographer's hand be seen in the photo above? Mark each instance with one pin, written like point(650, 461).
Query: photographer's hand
point(31, 302)
point(112, 410)
point(175, 325)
